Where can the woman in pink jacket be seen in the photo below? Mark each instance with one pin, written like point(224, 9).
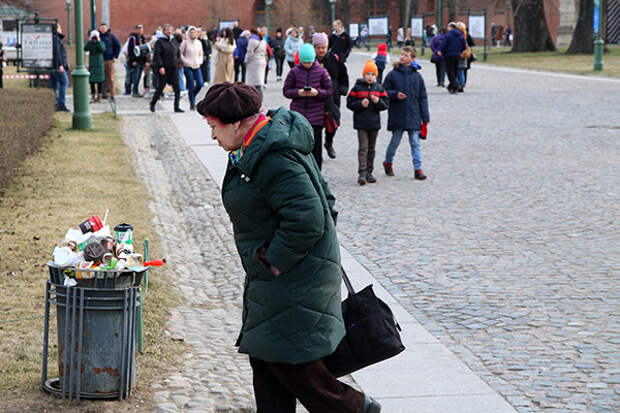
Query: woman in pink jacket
point(192, 57)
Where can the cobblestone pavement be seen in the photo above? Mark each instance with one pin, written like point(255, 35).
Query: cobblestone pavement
point(509, 251)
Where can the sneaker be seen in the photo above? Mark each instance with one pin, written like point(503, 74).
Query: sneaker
point(137, 95)
point(419, 175)
point(388, 169)
point(179, 110)
point(361, 180)
point(330, 151)
point(371, 179)
point(62, 109)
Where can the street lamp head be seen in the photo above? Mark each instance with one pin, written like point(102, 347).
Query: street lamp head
point(68, 2)
point(332, 1)
point(268, 2)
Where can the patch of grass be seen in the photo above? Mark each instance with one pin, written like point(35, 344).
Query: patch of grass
point(75, 174)
point(27, 116)
point(557, 61)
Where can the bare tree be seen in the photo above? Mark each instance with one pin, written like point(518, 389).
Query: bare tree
point(531, 33)
point(582, 41)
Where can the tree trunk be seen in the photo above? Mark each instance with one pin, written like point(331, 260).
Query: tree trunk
point(582, 41)
point(531, 33)
point(451, 10)
point(407, 15)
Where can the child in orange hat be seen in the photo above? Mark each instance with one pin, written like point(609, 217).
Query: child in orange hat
point(367, 99)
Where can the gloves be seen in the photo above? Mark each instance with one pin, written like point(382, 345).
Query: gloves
point(424, 130)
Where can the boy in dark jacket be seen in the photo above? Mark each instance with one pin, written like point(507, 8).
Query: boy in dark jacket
point(408, 109)
point(367, 99)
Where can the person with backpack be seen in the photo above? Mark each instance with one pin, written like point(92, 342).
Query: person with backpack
point(340, 85)
point(381, 59)
point(408, 111)
point(277, 46)
point(367, 99)
point(136, 61)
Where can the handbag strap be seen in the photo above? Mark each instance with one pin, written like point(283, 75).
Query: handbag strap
point(347, 282)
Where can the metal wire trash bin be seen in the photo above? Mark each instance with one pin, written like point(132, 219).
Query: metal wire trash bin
point(96, 321)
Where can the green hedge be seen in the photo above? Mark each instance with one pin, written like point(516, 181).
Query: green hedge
point(26, 115)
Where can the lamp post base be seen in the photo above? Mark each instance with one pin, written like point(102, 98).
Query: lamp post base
point(598, 54)
point(81, 111)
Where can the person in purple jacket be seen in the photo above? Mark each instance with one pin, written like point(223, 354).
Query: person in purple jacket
point(308, 85)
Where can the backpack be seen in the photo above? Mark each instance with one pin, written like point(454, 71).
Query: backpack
point(125, 49)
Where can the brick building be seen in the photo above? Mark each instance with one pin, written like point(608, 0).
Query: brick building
point(124, 15)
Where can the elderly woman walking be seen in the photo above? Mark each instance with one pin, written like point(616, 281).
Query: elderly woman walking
point(284, 227)
point(309, 86)
point(256, 61)
point(224, 62)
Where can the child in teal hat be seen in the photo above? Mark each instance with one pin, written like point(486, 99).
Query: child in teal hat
point(307, 53)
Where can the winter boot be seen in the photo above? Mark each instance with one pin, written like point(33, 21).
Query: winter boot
point(419, 175)
point(388, 169)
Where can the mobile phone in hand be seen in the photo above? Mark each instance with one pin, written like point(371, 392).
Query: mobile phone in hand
point(307, 88)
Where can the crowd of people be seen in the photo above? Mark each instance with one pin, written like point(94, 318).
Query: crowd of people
point(189, 58)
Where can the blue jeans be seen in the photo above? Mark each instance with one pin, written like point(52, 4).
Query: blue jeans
point(414, 142)
point(59, 82)
point(181, 81)
point(460, 75)
point(194, 83)
point(136, 73)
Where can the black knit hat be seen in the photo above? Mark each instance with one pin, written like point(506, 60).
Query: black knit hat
point(230, 102)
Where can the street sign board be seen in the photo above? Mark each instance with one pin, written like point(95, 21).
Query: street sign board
point(354, 30)
point(37, 44)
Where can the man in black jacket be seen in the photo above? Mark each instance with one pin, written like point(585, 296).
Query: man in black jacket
point(340, 41)
point(59, 79)
point(166, 59)
point(340, 82)
point(136, 61)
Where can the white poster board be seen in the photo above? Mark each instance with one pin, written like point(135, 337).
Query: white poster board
point(417, 27)
point(227, 24)
point(37, 46)
point(354, 30)
point(378, 26)
point(475, 27)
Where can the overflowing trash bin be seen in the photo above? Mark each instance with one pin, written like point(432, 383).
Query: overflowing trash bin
point(94, 286)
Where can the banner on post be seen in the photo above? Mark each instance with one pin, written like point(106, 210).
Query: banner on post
point(475, 26)
point(354, 30)
point(37, 46)
point(417, 27)
point(377, 26)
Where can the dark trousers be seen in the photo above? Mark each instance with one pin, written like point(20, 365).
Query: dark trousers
point(206, 70)
point(136, 74)
point(290, 64)
point(366, 150)
point(277, 385)
point(239, 68)
point(380, 76)
point(171, 77)
point(99, 88)
point(452, 66)
point(279, 65)
point(1, 84)
point(440, 72)
point(317, 151)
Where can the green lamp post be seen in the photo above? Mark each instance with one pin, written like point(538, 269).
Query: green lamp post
point(93, 16)
point(332, 3)
point(598, 42)
point(81, 111)
point(439, 14)
point(69, 42)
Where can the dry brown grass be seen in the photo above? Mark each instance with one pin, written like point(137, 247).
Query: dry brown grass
point(75, 174)
point(27, 115)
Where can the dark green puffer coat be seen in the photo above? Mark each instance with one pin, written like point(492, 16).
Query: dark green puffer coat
point(276, 197)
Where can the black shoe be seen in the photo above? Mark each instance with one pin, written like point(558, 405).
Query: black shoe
point(371, 405)
point(105, 96)
point(62, 109)
point(192, 107)
point(152, 107)
point(179, 110)
point(460, 90)
point(330, 151)
point(371, 179)
point(361, 179)
point(137, 95)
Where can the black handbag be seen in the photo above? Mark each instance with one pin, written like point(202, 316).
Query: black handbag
point(371, 332)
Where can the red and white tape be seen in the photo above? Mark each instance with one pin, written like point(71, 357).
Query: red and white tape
point(25, 76)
